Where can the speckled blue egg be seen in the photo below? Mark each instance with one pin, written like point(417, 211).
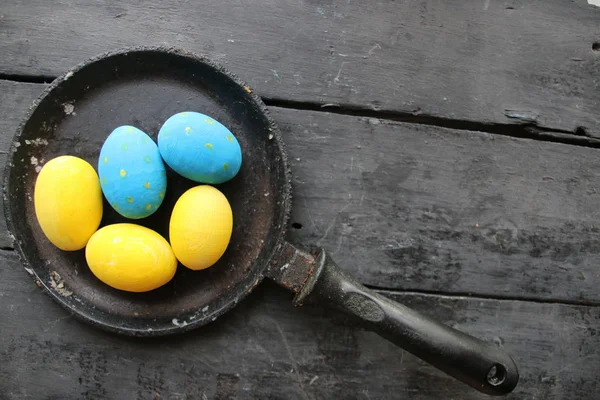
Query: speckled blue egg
point(132, 174)
point(199, 148)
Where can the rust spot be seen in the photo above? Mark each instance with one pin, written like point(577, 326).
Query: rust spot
point(308, 275)
point(248, 89)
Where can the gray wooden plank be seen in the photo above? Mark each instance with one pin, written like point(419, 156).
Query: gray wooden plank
point(267, 349)
point(413, 207)
point(423, 208)
point(488, 61)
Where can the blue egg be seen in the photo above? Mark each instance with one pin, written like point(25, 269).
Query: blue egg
point(199, 148)
point(132, 174)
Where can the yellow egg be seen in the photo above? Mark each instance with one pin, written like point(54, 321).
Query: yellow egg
point(130, 257)
point(68, 202)
point(200, 227)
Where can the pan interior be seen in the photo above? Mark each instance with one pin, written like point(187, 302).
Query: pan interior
point(143, 87)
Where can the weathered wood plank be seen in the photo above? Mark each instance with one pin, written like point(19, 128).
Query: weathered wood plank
point(420, 207)
point(523, 61)
point(267, 349)
point(415, 207)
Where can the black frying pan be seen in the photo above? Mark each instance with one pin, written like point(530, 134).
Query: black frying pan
point(143, 87)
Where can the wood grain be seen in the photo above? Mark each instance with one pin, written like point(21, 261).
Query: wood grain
point(267, 349)
point(413, 207)
point(486, 61)
point(401, 206)
point(423, 208)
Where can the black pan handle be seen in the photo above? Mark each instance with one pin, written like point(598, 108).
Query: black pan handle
point(479, 364)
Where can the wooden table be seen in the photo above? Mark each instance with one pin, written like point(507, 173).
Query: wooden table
point(445, 153)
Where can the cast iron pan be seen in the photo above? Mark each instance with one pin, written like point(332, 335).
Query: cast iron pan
point(143, 87)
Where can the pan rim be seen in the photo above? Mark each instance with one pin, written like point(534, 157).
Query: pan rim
point(284, 194)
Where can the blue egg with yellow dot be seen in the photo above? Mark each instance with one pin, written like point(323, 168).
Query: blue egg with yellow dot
point(132, 173)
point(199, 148)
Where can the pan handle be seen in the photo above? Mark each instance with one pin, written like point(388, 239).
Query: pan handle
point(479, 364)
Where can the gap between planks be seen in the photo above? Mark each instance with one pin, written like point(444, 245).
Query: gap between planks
point(476, 296)
point(525, 130)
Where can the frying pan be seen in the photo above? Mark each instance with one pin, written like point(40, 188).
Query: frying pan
point(143, 86)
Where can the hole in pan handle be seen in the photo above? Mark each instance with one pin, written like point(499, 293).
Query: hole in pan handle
point(319, 280)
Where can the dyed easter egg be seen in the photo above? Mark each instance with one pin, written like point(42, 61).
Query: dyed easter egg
point(130, 257)
point(199, 148)
point(200, 227)
point(68, 202)
point(132, 174)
